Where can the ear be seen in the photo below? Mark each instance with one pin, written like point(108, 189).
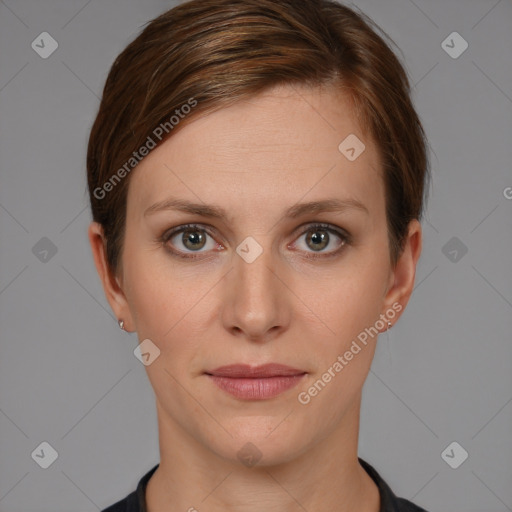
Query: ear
point(111, 284)
point(401, 281)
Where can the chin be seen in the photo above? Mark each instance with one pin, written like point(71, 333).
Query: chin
point(259, 441)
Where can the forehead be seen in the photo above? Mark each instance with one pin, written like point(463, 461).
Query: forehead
point(277, 147)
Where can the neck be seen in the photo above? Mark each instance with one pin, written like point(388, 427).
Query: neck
point(328, 475)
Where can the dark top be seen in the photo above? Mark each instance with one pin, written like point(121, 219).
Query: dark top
point(136, 501)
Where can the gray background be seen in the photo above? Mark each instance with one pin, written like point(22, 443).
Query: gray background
point(68, 375)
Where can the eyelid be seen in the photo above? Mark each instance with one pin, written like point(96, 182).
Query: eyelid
point(332, 228)
point(299, 231)
point(342, 234)
point(192, 226)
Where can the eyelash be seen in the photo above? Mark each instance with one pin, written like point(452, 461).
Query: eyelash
point(346, 239)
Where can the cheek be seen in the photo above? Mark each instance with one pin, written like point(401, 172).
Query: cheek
point(169, 304)
point(349, 304)
point(350, 298)
point(154, 298)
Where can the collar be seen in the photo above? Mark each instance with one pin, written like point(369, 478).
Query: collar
point(388, 501)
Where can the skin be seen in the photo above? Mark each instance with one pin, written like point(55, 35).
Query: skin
point(255, 159)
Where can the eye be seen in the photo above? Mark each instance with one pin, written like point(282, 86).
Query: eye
point(320, 236)
point(184, 241)
point(189, 238)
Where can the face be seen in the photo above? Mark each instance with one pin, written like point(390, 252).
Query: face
point(252, 275)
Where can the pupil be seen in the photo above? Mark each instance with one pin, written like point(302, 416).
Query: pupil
point(195, 238)
point(322, 238)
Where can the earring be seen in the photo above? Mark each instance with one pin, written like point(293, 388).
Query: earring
point(388, 343)
point(121, 324)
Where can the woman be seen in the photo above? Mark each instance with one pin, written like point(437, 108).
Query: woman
point(256, 174)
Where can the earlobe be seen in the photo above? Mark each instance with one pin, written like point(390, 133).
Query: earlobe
point(111, 284)
point(403, 275)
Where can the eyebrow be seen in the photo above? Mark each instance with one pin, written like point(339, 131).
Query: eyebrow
point(297, 210)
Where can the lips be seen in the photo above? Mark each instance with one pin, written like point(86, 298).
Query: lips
point(243, 371)
point(263, 382)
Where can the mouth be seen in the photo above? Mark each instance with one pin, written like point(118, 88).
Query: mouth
point(256, 382)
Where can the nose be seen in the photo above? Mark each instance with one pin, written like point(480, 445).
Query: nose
point(256, 299)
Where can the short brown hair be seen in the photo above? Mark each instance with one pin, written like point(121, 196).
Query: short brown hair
point(217, 52)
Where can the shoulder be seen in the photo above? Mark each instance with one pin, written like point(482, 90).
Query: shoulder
point(389, 502)
point(135, 501)
point(128, 504)
point(404, 505)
